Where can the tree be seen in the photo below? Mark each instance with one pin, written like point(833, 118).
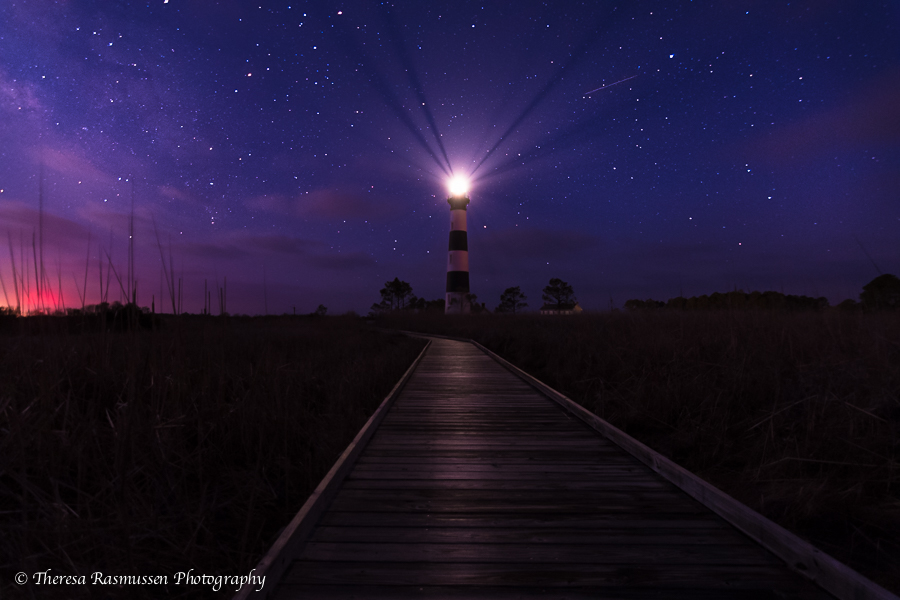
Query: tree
point(395, 295)
point(849, 305)
point(559, 293)
point(474, 307)
point(648, 304)
point(882, 292)
point(435, 305)
point(321, 311)
point(423, 305)
point(512, 300)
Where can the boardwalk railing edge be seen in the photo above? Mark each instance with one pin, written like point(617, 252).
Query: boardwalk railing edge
point(828, 573)
point(278, 558)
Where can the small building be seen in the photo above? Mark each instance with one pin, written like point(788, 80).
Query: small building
point(561, 309)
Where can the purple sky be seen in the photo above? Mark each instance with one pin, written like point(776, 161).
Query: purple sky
point(306, 145)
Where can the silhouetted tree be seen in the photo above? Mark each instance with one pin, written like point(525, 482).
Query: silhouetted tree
point(849, 305)
point(321, 311)
point(474, 307)
point(734, 300)
point(882, 292)
point(559, 293)
point(395, 295)
point(430, 305)
point(512, 300)
point(648, 304)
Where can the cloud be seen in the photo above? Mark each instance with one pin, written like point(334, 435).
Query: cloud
point(17, 217)
point(241, 245)
point(329, 204)
point(343, 261)
point(169, 191)
point(346, 204)
point(869, 119)
point(214, 250)
point(666, 254)
point(71, 163)
point(299, 251)
point(548, 244)
point(271, 203)
point(282, 244)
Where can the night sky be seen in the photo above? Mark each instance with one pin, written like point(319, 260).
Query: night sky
point(301, 149)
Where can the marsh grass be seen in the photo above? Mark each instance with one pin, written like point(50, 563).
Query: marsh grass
point(796, 415)
point(185, 446)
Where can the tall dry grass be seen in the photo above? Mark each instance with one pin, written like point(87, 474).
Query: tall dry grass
point(796, 415)
point(187, 447)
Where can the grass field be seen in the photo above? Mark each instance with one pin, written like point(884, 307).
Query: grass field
point(187, 446)
point(190, 444)
point(796, 415)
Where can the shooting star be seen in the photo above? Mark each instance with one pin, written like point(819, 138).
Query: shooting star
point(609, 86)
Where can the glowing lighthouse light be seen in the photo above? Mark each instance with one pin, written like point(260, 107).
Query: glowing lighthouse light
point(458, 185)
point(458, 257)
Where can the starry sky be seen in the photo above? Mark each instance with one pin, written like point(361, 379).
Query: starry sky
point(301, 150)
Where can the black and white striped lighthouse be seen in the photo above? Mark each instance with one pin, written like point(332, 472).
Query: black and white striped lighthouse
point(458, 258)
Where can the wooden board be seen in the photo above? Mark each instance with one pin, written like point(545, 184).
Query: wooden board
point(655, 579)
point(347, 591)
point(475, 485)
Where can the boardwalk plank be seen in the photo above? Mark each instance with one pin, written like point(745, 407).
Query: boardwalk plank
point(563, 553)
point(647, 576)
point(504, 504)
point(498, 486)
point(432, 592)
point(572, 459)
point(635, 536)
point(524, 467)
point(498, 474)
point(482, 497)
point(686, 523)
point(486, 453)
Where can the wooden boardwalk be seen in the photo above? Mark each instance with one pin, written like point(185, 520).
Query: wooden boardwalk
point(474, 485)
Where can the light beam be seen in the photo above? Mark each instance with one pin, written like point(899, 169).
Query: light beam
point(458, 185)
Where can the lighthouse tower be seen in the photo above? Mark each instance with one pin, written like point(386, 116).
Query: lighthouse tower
point(458, 259)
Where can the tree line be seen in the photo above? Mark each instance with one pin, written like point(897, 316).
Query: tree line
point(398, 295)
point(882, 293)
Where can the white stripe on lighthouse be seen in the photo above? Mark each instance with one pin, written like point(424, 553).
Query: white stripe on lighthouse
point(458, 260)
point(457, 220)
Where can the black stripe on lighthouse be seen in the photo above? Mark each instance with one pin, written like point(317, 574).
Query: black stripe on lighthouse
point(458, 281)
point(459, 240)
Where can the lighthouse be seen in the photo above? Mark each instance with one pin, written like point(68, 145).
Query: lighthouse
point(458, 257)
